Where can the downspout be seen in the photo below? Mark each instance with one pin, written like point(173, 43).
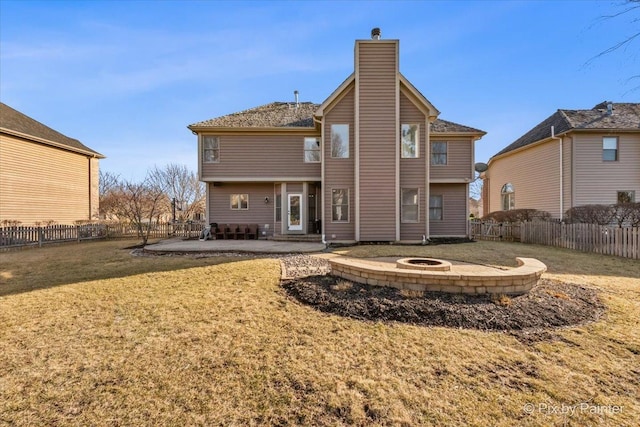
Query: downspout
point(553, 136)
point(322, 186)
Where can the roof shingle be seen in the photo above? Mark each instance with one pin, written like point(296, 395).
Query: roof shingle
point(13, 120)
point(286, 114)
point(275, 114)
point(626, 116)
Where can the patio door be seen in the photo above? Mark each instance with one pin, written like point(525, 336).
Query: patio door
point(294, 212)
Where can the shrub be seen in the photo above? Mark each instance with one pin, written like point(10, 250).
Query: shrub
point(623, 214)
point(518, 215)
point(627, 214)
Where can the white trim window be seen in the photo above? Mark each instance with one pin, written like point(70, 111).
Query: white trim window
point(239, 202)
point(508, 197)
point(210, 149)
point(340, 141)
point(439, 153)
point(410, 209)
point(409, 136)
point(312, 150)
point(610, 148)
point(278, 207)
point(436, 207)
point(340, 205)
point(626, 197)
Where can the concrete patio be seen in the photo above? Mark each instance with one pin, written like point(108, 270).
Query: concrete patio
point(246, 246)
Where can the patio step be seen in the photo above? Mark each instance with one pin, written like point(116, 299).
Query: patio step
point(296, 238)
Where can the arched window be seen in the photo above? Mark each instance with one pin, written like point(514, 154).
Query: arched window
point(508, 197)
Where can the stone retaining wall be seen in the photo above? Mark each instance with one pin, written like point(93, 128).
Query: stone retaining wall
point(514, 281)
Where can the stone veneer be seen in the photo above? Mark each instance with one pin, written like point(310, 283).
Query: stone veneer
point(514, 281)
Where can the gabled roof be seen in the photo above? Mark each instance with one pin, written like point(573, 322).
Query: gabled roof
point(15, 123)
point(433, 111)
point(624, 117)
point(273, 115)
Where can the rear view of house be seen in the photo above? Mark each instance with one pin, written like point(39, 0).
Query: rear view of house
point(371, 163)
point(44, 175)
point(572, 158)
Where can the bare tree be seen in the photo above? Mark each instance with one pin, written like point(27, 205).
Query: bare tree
point(182, 187)
point(139, 203)
point(107, 187)
point(628, 9)
point(475, 187)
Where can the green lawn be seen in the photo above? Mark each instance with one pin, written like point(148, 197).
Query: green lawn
point(90, 335)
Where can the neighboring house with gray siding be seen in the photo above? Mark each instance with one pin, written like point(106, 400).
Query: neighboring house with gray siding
point(373, 162)
point(44, 175)
point(573, 158)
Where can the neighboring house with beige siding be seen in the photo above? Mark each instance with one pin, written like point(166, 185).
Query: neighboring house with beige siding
point(44, 175)
point(573, 158)
point(371, 163)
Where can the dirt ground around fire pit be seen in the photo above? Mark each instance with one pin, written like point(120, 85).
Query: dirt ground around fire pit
point(551, 304)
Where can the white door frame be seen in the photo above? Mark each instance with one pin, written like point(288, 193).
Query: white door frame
point(293, 226)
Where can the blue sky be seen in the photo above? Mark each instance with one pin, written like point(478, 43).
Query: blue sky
point(127, 77)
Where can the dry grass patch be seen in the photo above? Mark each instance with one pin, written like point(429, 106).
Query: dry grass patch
point(109, 339)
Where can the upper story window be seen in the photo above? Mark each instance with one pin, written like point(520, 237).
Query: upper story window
point(239, 202)
point(508, 194)
point(610, 148)
point(439, 153)
point(626, 197)
point(340, 141)
point(409, 140)
point(210, 149)
point(410, 205)
point(312, 150)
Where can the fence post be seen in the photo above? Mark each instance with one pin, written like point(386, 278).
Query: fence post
point(40, 236)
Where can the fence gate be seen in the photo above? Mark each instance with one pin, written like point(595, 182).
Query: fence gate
point(490, 230)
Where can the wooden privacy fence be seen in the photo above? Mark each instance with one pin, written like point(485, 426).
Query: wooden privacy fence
point(16, 237)
point(622, 242)
point(618, 241)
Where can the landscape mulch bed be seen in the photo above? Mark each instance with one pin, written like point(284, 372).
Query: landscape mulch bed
point(550, 304)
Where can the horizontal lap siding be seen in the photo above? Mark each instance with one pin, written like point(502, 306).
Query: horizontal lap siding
point(42, 183)
point(376, 74)
point(535, 175)
point(259, 212)
point(260, 157)
point(412, 171)
point(339, 173)
point(459, 159)
point(454, 201)
point(597, 181)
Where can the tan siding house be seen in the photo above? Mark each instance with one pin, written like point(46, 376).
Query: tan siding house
point(44, 175)
point(354, 168)
point(573, 158)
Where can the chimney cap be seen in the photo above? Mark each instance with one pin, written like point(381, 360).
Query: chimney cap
point(375, 33)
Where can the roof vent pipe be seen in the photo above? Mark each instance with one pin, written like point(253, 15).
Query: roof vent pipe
point(295, 93)
point(375, 34)
point(609, 108)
